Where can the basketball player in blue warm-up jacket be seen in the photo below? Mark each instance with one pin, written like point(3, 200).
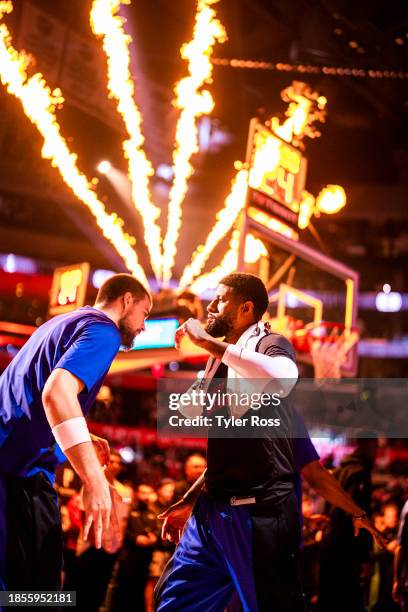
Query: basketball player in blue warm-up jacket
point(45, 393)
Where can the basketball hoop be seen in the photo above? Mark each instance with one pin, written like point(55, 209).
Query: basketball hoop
point(329, 345)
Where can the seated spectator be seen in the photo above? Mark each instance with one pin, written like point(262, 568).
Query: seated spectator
point(194, 466)
point(165, 495)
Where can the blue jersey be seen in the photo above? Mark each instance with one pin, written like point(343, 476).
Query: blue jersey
point(84, 342)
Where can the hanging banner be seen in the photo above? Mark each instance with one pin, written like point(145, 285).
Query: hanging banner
point(43, 37)
point(83, 78)
point(72, 62)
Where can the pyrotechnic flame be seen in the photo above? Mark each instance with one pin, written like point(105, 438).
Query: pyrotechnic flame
point(306, 209)
point(106, 23)
point(331, 199)
point(228, 264)
point(39, 105)
point(254, 249)
point(193, 103)
point(226, 217)
point(5, 8)
point(297, 120)
point(266, 159)
point(305, 108)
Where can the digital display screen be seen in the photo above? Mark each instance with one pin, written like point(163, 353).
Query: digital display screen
point(159, 334)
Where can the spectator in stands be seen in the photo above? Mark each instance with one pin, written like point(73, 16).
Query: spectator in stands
point(67, 483)
point(194, 466)
point(400, 587)
point(380, 599)
point(94, 565)
point(75, 511)
point(114, 470)
point(344, 557)
point(163, 550)
point(165, 495)
point(141, 537)
point(312, 525)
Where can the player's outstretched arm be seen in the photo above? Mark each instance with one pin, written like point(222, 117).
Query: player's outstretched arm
point(64, 414)
point(330, 489)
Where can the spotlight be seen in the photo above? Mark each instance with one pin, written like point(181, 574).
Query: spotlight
point(100, 276)
point(174, 366)
point(165, 172)
point(128, 454)
point(388, 302)
point(104, 166)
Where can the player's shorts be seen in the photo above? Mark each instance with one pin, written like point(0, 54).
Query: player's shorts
point(228, 553)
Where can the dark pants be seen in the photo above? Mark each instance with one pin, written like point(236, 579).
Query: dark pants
point(226, 550)
point(30, 532)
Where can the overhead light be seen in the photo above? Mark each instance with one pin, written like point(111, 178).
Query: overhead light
point(388, 302)
point(292, 301)
point(104, 166)
point(165, 172)
point(15, 263)
point(100, 276)
point(127, 454)
point(10, 265)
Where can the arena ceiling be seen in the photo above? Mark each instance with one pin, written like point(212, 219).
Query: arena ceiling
point(363, 145)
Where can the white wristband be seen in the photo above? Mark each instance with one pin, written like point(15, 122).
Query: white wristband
point(71, 432)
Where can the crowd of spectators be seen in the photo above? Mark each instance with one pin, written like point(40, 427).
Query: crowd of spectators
point(122, 576)
point(338, 566)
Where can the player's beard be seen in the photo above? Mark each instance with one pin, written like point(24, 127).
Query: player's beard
point(220, 326)
point(126, 334)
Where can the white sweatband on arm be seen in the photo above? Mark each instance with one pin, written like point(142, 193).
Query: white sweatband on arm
point(71, 432)
point(250, 364)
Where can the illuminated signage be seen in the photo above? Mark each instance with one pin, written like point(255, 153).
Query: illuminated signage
point(277, 175)
point(159, 334)
point(272, 223)
point(277, 168)
point(68, 288)
point(260, 200)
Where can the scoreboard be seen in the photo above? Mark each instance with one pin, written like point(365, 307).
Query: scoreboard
point(277, 174)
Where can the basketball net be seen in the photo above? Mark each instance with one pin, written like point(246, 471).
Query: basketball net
point(329, 353)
